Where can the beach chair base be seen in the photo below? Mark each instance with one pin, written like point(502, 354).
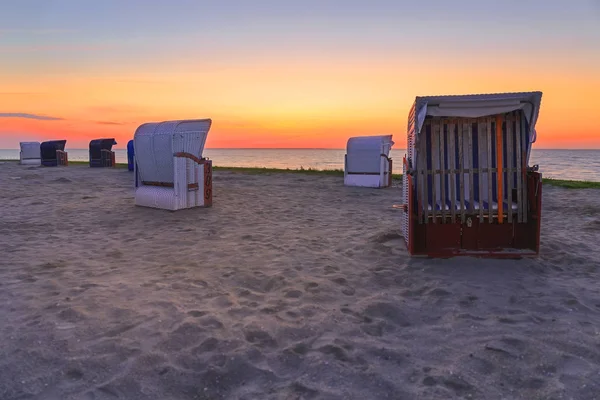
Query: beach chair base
point(31, 161)
point(495, 239)
point(192, 187)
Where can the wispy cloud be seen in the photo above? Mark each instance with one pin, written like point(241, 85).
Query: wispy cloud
point(108, 123)
point(30, 116)
point(42, 31)
point(54, 48)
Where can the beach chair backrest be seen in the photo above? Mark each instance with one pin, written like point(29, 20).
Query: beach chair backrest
point(48, 149)
point(30, 150)
point(156, 144)
point(363, 153)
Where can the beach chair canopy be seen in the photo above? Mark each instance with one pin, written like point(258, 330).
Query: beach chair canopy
point(97, 145)
point(363, 153)
point(30, 150)
point(480, 105)
point(48, 149)
point(156, 143)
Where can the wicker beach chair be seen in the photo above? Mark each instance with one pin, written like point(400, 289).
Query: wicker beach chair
point(101, 154)
point(367, 162)
point(130, 155)
point(30, 153)
point(53, 153)
point(170, 170)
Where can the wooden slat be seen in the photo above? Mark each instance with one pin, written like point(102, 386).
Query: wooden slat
point(509, 166)
point(481, 136)
point(468, 130)
point(461, 178)
point(423, 158)
point(442, 171)
point(435, 151)
point(524, 146)
point(419, 177)
point(518, 140)
point(489, 175)
point(452, 165)
point(500, 166)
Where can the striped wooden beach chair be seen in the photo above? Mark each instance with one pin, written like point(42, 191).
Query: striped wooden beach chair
point(170, 171)
point(467, 185)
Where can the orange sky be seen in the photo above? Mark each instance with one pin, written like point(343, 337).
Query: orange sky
point(308, 96)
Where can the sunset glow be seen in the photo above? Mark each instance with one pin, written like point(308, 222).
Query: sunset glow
point(271, 75)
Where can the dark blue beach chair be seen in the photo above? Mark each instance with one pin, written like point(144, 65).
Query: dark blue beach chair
point(101, 154)
point(53, 153)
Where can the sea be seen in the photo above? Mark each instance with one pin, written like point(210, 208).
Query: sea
point(581, 165)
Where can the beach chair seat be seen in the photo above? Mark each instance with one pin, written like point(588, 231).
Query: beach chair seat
point(367, 162)
point(53, 153)
point(170, 172)
point(30, 153)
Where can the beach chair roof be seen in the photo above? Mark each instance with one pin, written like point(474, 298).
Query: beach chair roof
point(479, 105)
point(106, 144)
point(155, 144)
point(48, 148)
point(363, 143)
point(53, 145)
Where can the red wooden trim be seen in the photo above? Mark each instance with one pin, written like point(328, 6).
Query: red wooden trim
point(208, 183)
point(409, 208)
point(191, 157)
point(61, 158)
point(390, 174)
point(161, 184)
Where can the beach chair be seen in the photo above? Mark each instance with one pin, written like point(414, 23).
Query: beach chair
point(130, 155)
point(467, 185)
point(53, 153)
point(101, 154)
point(170, 170)
point(30, 153)
point(367, 162)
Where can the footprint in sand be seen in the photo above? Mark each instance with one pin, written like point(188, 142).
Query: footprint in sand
point(311, 287)
point(293, 294)
point(259, 337)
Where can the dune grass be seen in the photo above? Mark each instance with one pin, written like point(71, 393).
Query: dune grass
point(567, 184)
point(571, 184)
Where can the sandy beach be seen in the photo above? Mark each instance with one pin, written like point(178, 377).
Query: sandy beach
point(290, 287)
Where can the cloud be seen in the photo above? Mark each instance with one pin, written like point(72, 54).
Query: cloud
point(38, 31)
point(30, 116)
point(54, 48)
point(108, 123)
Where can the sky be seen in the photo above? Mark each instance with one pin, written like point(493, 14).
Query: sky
point(288, 74)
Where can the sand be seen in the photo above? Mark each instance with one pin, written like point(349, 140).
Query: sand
point(289, 287)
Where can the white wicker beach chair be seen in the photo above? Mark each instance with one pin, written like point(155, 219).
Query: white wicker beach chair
point(170, 171)
point(367, 162)
point(30, 153)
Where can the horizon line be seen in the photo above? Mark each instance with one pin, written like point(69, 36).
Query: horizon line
point(295, 148)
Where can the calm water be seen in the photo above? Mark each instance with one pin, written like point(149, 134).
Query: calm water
point(561, 164)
